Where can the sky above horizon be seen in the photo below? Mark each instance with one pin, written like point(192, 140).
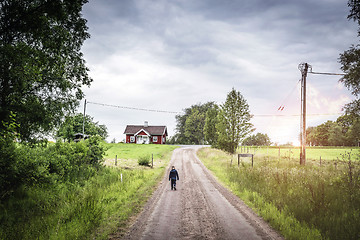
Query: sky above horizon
point(168, 55)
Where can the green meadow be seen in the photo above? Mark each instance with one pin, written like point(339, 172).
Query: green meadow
point(101, 204)
point(127, 155)
point(313, 154)
point(301, 202)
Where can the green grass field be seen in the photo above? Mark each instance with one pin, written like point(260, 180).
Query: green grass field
point(127, 155)
point(312, 153)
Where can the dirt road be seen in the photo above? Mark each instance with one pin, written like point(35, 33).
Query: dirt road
point(200, 208)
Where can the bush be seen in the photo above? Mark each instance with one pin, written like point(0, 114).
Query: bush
point(30, 165)
point(144, 160)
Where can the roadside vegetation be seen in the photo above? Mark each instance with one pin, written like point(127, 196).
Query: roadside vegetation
point(313, 154)
point(319, 202)
point(64, 190)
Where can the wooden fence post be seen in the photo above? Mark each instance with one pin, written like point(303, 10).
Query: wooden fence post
point(336, 163)
point(115, 160)
point(279, 153)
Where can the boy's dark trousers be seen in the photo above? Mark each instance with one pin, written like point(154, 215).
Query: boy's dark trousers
point(173, 184)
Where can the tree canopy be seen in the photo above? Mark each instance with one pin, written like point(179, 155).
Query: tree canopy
point(234, 121)
point(350, 63)
point(190, 125)
point(74, 124)
point(211, 120)
point(258, 139)
point(345, 131)
point(42, 68)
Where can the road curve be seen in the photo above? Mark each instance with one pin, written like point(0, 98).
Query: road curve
point(200, 208)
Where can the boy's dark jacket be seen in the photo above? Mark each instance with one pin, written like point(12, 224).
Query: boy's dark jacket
point(173, 174)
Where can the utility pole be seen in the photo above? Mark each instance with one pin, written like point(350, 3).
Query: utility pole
point(303, 67)
point(84, 120)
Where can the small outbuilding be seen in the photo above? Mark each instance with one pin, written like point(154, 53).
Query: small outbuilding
point(145, 134)
point(79, 136)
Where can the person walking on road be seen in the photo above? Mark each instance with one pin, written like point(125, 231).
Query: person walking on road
point(173, 176)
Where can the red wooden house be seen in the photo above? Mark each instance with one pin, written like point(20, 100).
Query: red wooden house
point(145, 134)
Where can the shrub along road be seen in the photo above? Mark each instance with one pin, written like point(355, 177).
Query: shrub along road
point(200, 208)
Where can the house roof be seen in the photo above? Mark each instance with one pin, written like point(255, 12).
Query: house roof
point(142, 130)
point(152, 130)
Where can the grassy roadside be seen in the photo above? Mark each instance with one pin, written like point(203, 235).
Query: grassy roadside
point(300, 202)
point(92, 209)
point(312, 153)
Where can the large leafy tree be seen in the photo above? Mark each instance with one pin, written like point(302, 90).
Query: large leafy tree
point(234, 121)
point(194, 126)
point(74, 124)
point(42, 68)
point(190, 125)
point(350, 61)
point(211, 119)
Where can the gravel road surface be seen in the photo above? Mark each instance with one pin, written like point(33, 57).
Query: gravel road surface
point(200, 208)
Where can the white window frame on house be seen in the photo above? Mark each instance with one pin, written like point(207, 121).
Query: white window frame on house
point(155, 138)
point(132, 139)
point(142, 139)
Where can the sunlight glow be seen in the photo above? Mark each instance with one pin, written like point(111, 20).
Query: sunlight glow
point(296, 143)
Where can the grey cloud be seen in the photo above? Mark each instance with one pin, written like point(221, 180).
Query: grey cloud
point(172, 54)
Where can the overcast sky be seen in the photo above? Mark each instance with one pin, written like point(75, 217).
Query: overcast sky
point(170, 54)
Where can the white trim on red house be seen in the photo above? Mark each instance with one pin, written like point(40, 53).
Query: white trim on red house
point(142, 130)
point(165, 129)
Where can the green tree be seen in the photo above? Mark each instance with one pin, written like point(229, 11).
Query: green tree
point(336, 135)
point(323, 133)
point(234, 121)
point(8, 160)
point(350, 63)
point(186, 133)
point(258, 139)
point(194, 126)
point(42, 68)
point(353, 135)
point(211, 119)
point(311, 139)
point(344, 132)
point(74, 124)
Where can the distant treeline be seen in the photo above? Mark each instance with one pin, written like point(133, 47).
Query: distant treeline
point(345, 131)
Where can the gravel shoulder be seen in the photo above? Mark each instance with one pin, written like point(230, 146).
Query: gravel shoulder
point(201, 208)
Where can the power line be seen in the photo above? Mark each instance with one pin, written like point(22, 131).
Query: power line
point(296, 115)
point(174, 112)
point(282, 106)
point(134, 108)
